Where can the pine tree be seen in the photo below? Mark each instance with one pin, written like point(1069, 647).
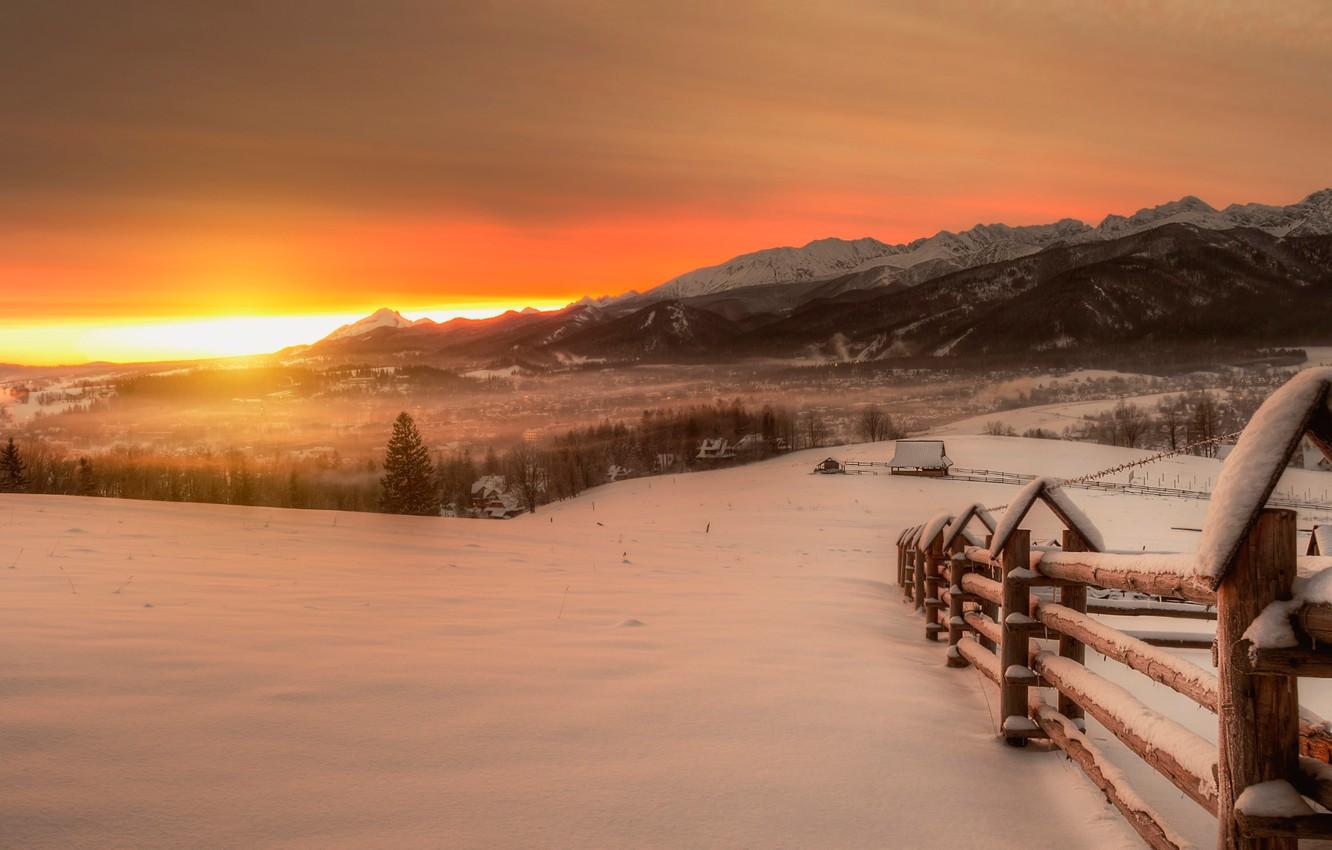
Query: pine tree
point(408, 485)
point(12, 469)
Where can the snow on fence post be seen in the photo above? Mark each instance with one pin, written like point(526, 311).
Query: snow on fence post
point(1014, 621)
point(1259, 715)
point(1075, 597)
point(933, 606)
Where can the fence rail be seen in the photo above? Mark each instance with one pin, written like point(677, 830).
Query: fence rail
point(995, 476)
point(1022, 617)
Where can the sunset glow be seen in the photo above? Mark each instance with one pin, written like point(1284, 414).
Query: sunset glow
point(144, 340)
point(165, 166)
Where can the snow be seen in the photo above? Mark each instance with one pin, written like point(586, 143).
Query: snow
point(1274, 799)
point(1159, 732)
point(1252, 469)
point(314, 679)
point(919, 454)
point(381, 318)
point(1025, 499)
point(933, 528)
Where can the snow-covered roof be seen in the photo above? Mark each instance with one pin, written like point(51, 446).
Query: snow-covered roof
point(919, 454)
point(489, 484)
point(1251, 471)
point(1058, 501)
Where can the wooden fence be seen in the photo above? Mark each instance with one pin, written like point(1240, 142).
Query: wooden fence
point(1021, 614)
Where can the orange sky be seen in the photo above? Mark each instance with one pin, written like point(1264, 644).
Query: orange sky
point(160, 162)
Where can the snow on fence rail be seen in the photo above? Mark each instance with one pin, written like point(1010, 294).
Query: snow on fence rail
point(1002, 602)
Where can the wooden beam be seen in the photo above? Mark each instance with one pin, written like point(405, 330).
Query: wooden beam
point(1082, 686)
point(987, 589)
point(1314, 622)
point(1124, 572)
point(1175, 673)
point(1015, 557)
point(1295, 661)
point(981, 658)
point(983, 625)
point(1174, 640)
point(1062, 731)
point(1149, 608)
point(1289, 829)
point(1259, 719)
point(1074, 598)
point(918, 580)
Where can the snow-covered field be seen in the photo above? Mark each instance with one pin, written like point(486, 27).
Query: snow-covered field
point(709, 660)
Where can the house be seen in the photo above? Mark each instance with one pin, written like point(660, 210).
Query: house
point(491, 498)
point(830, 466)
point(750, 444)
point(615, 472)
point(666, 461)
point(715, 449)
point(919, 457)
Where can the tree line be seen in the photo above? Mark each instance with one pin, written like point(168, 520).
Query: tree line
point(410, 479)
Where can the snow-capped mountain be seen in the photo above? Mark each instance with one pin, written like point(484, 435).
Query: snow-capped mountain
point(946, 252)
point(381, 318)
point(820, 258)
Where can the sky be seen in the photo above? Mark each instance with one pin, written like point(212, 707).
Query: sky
point(215, 178)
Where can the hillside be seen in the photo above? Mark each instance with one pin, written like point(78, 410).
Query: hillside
point(717, 659)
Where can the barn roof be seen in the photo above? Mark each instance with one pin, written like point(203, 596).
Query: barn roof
point(1252, 469)
point(919, 454)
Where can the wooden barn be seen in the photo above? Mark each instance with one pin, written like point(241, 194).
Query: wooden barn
point(920, 457)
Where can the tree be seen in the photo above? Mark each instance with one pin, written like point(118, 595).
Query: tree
point(85, 479)
point(13, 477)
point(872, 424)
point(526, 474)
point(408, 485)
point(1131, 424)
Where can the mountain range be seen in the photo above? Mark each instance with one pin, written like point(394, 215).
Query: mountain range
point(1179, 273)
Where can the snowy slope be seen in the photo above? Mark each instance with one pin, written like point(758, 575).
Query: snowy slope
point(708, 660)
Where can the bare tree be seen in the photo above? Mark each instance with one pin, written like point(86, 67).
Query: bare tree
point(1131, 424)
point(526, 474)
point(875, 425)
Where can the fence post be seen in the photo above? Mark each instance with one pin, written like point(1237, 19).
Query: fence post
point(1013, 617)
point(1074, 597)
point(918, 580)
point(987, 607)
point(932, 603)
point(1258, 738)
point(901, 565)
point(957, 567)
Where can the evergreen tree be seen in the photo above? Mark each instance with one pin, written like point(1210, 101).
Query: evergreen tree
point(408, 485)
point(12, 469)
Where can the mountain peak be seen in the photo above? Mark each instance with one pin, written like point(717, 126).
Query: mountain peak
point(381, 318)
